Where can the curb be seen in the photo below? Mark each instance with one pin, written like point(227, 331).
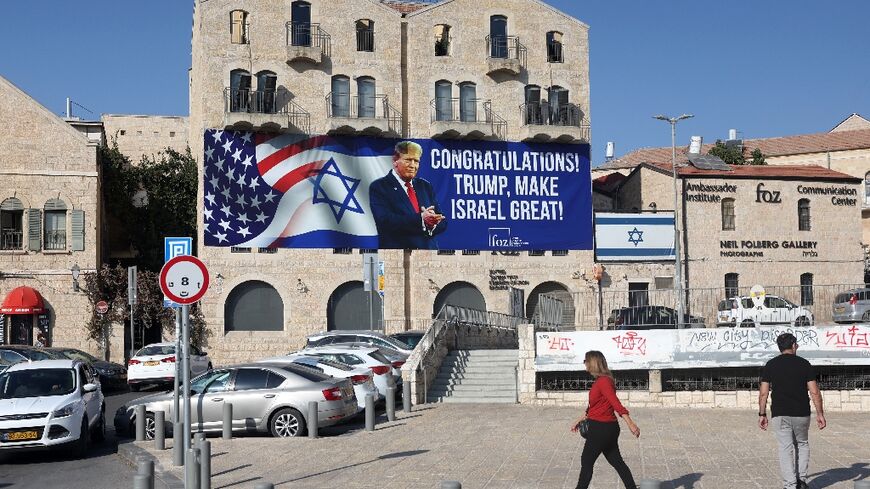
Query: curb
point(132, 454)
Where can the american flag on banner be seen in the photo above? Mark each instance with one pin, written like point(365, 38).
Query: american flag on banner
point(290, 191)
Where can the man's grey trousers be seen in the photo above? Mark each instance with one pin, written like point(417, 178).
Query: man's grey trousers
point(792, 433)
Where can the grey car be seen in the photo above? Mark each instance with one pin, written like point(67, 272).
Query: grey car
point(370, 338)
point(270, 398)
point(852, 306)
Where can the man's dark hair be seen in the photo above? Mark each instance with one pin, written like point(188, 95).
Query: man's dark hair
point(785, 341)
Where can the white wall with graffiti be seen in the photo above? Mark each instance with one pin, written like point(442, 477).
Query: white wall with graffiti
point(700, 348)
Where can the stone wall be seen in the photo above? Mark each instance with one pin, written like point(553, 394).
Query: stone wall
point(145, 135)
point(854, 400)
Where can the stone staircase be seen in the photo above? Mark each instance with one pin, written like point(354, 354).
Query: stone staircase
point(476, 376)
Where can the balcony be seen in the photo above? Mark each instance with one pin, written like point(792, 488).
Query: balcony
point(362, 115)
point(543, 122)
point(307, 42)
point(454, 118)
point(266, 110)
point(11, 239)
point(54, 240)
point(505, 54)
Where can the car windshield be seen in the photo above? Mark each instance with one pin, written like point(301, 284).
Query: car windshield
point(37, 354)
point(377, 355)
point(153, 350)
point(78, 355)
point(305, 372)
point(725, 305)
point(410, 340)
point(37, 383)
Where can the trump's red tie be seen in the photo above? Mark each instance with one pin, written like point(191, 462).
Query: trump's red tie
point(412, 196)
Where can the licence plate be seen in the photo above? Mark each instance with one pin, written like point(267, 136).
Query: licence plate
point(152, 364)
point(839, 309)
point(21, 435)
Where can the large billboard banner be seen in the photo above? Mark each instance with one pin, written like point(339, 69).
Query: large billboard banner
point(296, 191)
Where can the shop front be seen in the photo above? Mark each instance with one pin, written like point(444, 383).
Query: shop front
point(24, 319)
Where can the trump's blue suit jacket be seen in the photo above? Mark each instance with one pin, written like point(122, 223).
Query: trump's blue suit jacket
point(399, 227)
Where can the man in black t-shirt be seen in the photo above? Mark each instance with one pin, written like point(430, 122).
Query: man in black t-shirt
point(790, 377)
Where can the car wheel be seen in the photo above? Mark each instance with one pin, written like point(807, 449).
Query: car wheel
point(747, 323)
point(287, 423)
point(801, 322)
point(100, 430)
point(84, 441)
point(150, 425)
point(866, 317)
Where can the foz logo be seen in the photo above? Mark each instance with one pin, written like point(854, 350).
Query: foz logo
point(502, 238)
point(767, 196)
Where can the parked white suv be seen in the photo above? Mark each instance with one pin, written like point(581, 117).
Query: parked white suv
point(51, 402)
point(773, 311)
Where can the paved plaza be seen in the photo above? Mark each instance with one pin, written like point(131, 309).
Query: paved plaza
point(517, 446)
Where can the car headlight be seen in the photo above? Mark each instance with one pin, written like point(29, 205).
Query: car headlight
point(65, 411)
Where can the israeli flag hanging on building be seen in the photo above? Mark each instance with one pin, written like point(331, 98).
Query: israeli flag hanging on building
point(634, 237)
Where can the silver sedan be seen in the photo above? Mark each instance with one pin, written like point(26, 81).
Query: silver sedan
point(269, 398)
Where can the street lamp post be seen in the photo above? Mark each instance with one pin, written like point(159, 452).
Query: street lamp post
point(678, 283)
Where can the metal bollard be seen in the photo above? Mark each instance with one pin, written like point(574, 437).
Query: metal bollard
point(406, 396)
point(228, 421)
point(264, 485)
point(205, 464)
point(142, 481)
point(451, 485)
point(191, 469)
point(370, 412)
point(146, 468)
point(140, 422)
point(650, 484)
point(312, 419)
point(198, 438)
point(160, 430)
point(865, 484)
point(391, 403)
point(177, 444)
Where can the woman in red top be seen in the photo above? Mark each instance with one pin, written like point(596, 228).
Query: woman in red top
point(603, 434)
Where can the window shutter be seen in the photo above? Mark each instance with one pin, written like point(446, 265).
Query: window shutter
point(34, 229)
point(78, 230)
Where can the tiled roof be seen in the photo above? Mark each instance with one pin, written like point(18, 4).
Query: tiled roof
point(791, 172)
point(608, 182)
point(407, 6)
point(783, 146)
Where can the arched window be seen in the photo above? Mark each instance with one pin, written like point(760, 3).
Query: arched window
point(54, 231)
point(12, 224)
point(300, 23)
point(443, 100)
point(340, 96)
point(554, 47)
point(239, 27)
point(467, 102)
point(365, 35)
point(442, 40)
point(732, 285)
point(806, 289)
point(265, 97)
point(728, 218)
point(240, 91)
point(532, 113)
point(365, 89)
point(254, 306)
point(498, 41)
point(804, 215)
point(351, 307)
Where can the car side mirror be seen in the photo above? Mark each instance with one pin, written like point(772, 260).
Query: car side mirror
point(89, 387)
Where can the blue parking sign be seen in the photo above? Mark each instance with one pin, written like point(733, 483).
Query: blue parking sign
point(173, 247)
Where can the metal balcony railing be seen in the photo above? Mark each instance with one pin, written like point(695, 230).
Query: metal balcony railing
point(344, 105)
point(267, 102)
point(365, 40)
point(11, 239)
point(506, 47)
point(54, 240)
point(468, 110)
point(544, 114)
point(305, 34)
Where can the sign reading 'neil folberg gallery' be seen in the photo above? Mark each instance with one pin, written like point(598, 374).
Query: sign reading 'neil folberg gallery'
point(755, 248)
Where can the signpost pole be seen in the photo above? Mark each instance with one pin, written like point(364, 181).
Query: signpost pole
point(185, 373)
point(175, 414)
point(131, 299)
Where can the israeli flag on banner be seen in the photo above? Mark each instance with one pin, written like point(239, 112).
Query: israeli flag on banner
point(634, 237)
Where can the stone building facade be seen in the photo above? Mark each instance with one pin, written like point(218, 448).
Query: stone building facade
point(145, 135)
point(50, 212)
point(246, 56)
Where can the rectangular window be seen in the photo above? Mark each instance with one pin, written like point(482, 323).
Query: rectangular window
point(728, 219)
point(363, 251)
point(732, 284)
point(11, 230)
point(638, 294)
point(342, 251)
point(536, 252)
point(55, 230)
point(804, 215)
point(268, 251)
point(559, 252)
point(470, 252)
point(239, 249)
point(807, 289)
point(446, 252)
point(239, 27)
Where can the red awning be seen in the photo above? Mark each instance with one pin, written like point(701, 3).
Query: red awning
point(23, 300)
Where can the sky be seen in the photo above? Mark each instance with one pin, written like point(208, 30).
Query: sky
point(764, 67)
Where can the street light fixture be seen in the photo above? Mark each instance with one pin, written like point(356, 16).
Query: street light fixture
point(75, 270)
point(678, 283)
